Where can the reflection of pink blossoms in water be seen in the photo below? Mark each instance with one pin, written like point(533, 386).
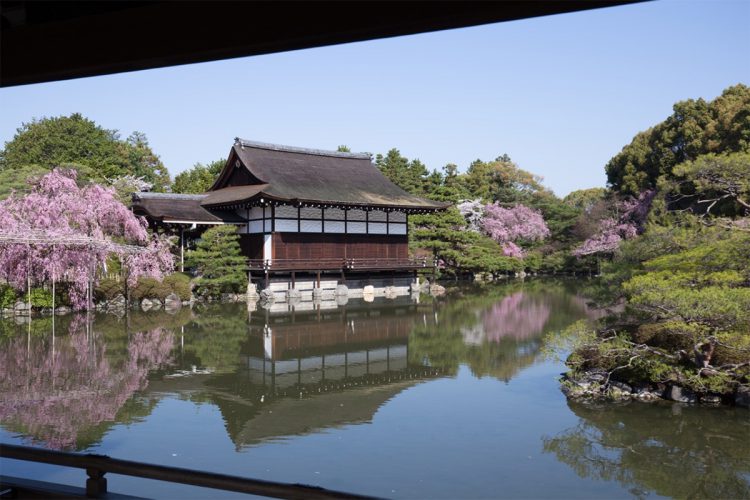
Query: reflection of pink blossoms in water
point(517, 316)
point(56, 396)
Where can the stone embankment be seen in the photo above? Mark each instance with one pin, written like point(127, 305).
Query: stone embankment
point(598, 385)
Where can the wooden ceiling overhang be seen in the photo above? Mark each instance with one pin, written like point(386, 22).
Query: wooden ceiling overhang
point(42, 41)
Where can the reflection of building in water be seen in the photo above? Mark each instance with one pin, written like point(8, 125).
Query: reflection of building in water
point(300, 372)
point(318, 350)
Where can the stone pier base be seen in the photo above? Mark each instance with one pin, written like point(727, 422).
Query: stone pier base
point(305, 289)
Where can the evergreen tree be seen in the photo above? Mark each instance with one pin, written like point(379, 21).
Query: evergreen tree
point(199, 178)
point(218, 262)
point(76, 142)
point(696, 127)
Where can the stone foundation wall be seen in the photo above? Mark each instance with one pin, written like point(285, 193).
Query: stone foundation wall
point(304, 289)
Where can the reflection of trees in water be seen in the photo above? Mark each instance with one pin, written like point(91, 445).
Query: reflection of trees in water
point(498, 331)
point(215, 337)
point(519, 316)
point(57, 389)
point(683, 452)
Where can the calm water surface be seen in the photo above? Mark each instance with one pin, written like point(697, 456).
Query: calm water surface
point(435, 398)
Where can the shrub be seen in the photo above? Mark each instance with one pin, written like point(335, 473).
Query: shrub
point(108, 289)
point(149, 288)
point(218, 262)
point(179, 284)
point(8, 296)
point(41, 298)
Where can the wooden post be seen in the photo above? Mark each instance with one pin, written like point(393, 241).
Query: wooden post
point(28, 278)
point(318, 279)
point(53, 296)
point(96, 484)
point(294, 283)
point(182, 249)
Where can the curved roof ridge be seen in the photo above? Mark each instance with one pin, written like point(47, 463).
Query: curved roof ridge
point(150, 195)
point(297, 149)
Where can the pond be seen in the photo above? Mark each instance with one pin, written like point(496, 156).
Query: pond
point(447, 397)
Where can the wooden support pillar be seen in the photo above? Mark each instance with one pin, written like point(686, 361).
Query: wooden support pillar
point(318, 279)
point(182, 249)
point(96, 484)
point(294, 281)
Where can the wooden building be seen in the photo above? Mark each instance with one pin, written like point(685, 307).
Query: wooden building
point(301, 209)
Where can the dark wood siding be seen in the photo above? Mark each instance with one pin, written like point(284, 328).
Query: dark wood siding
point(339, 246)
point(252, 245)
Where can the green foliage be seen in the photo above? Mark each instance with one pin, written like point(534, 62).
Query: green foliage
point(41, 298)
point(484, 255)
point(502, 181)
point(712, 184)
point(199, 178)
point(19, 179)
point(409, 175)
point(8, 296)
point(143, 163)
point(584, 200)
point(695, 128)
point(75, 141)
point(109, 288)
point(149, 288)
point(218, 262)
point(443, 234)
point(179, 284)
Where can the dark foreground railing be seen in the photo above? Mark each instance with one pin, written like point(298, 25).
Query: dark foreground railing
point(98, 465)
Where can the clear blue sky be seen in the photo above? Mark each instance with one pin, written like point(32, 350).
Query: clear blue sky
point(560, 94)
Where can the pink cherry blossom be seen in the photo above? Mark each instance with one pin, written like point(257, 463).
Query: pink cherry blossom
point(631, 215)
point(65, 232)
point(508, 226)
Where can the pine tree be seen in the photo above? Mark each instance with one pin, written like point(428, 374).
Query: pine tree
point(218, 262)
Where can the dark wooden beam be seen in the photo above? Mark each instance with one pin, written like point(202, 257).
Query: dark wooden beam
point(44, 41)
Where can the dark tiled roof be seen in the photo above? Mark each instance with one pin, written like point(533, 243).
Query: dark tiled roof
point(233, 194)
point(169, 207)
point(312, 175)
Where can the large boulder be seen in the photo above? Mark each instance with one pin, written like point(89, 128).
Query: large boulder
point(172, 301)
point(437, 290)
point(266, 296)
point(681, 394)
point(146, 304)
point(390, 292)
point(342, 291)
point(342, 300)
point(118, 301)
point(742, 397)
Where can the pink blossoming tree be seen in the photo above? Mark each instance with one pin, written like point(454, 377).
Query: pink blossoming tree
point(60, 231)
point(509, 226)
point(626, 223)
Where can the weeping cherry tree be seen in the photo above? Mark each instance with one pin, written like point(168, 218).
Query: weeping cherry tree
point(62, 232)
